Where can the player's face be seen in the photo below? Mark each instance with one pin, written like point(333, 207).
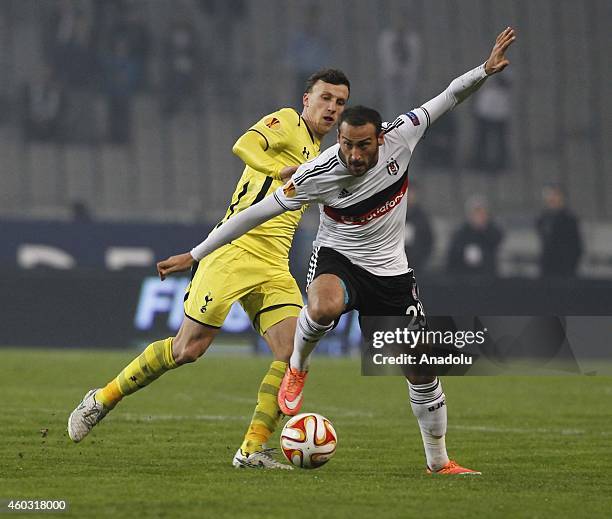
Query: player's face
point(323, 105)
point(359, 147)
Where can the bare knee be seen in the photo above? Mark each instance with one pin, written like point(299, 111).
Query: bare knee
point(325, 308)
point(191, 342)
point(326, 299)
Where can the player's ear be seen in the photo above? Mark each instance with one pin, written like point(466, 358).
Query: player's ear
point(305, 99)
point(381, 138)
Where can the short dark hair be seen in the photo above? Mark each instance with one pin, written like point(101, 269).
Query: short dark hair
point(328, 75)
point(361, 115)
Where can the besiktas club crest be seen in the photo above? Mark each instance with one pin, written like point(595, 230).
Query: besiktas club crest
point(392, 166)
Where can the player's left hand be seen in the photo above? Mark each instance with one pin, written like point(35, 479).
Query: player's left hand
point(173, 264)
point(497, 60)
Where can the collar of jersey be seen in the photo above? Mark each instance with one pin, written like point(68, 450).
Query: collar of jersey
point(300, 120)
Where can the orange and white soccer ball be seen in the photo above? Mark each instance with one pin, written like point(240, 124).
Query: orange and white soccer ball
point(308, 440)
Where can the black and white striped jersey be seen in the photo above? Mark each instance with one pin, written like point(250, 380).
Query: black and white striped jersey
point(363, 218)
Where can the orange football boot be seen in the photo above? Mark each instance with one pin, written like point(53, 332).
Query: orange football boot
point(290, 394)
point(453, 468)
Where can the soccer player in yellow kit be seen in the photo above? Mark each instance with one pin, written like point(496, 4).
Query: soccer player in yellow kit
point(253, 270)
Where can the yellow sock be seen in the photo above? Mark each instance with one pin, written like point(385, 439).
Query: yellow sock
point(153, 362)
point(267, 415)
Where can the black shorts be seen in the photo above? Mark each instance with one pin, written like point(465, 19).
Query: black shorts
point(367, 293)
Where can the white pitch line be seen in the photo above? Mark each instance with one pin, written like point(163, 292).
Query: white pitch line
point(236, 399)
point(131, 417)
point(237, 418)
point(519, 430)
point(135, 417)
point(332, 411)
point(337, 411)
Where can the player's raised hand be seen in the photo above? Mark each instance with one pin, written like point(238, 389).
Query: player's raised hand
point(497, 60)
point(178, 263)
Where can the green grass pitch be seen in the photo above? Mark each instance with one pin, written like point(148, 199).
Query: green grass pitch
point(543, 444)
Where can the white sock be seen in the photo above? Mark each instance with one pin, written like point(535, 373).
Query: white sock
point(307, 335)
point(428, 404)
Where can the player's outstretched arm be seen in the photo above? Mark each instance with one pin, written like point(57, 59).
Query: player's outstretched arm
point(230, 230)
point(462, 87)
point(238, 225)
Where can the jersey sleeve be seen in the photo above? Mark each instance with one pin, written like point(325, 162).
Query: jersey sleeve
point(274, 128)
point(421, 118)
point(410, 126)
point(257, 146)
point(298, 191)
point(235, 227)
point(251, 149)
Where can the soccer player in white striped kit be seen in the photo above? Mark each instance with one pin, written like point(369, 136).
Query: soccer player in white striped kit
point(358, 259)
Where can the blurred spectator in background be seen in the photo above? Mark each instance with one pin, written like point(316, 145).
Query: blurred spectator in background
point(73, 58)
point(120, 81)
point(399, 55)
point(560, 238)
point(125, 23)
point(418, 237)
point(181, 68)
point(308, 50)
point(440, 143)
point(72, 49)
point(43, 107)
point(229, 60)
point(492, 111)
point(474, 245)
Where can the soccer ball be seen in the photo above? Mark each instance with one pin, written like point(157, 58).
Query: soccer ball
point(308, 440)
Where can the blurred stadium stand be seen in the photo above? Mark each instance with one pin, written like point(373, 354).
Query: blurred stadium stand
point(178, 168)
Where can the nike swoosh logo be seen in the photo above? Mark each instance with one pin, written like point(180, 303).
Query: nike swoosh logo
point(295, 403)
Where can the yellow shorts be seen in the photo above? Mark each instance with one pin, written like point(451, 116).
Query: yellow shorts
point(266, 290)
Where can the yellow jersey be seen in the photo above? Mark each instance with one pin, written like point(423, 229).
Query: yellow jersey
point(288, 142)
